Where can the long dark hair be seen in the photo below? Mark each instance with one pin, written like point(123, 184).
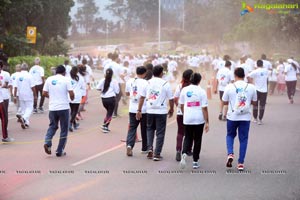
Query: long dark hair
point(186, 78)
point(73, 73)
point(108, 76)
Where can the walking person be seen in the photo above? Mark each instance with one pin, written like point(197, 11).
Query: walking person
point(193, 102)
point(24, 90)
point(5, 79)
point(239, 96)
point(280, 78)
point(133, 89)
point(109, 89)
point(79, 89)
point(157, 95)
point(259, 77)
point(179, 118)
point(291, 72)
point(273, 74)
point(224, 77)
point(38, 74)
point(58, 89)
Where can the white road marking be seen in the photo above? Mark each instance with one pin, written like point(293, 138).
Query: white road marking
point(106, 151)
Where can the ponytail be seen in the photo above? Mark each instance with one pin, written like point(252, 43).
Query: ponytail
point(107, 81)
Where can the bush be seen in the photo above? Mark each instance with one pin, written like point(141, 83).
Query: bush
point(46, 61)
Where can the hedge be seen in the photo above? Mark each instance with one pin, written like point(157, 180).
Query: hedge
point(46, 61)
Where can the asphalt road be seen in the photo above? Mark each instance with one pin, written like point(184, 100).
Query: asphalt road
point(96, 165)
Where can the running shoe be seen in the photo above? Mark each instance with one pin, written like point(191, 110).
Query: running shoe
point(260, 122)
point(129, 151)
point(47, 149)
point(61, 154)
point(7, 140)
point(240, 167)
point(150, 154)
point(157, 158)
point(183, 161)
point(196, 165)
point(229, 160)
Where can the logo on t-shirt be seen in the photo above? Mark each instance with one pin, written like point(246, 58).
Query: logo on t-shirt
point(34, 71)
point(21, 79)
point(54, 82)
point(72, 82)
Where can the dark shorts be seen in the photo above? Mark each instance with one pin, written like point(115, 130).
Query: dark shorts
point(221, 94)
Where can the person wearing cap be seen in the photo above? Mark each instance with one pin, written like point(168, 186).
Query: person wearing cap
point(259, 77)
point(291, 70)
point(38, 75)
point(133, 89)
point(24, 89)
point(58, 89)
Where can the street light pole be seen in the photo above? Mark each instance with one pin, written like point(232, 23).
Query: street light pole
point(183, 14)
point(159, 25)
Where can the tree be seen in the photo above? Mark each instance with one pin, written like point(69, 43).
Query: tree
point(86, 15)
point(51, 17)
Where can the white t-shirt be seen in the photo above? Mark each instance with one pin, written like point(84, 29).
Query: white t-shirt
point(230, 96)
point(117, 70)
point(79, 89)
point(273, 75)
point(24, 84)
point(246, 70)
point(267, 64)
point(37, 73)
point(194, 99)
point(68, 70)
point(224, 77)
point(157, 95)
point(58, 88)
point(172, 66)
point(12, 81)
point(177, 95)
point(260, 77)
point(112, 91)
point(250, 62)
point(291, 73)
point(4, 78)
point(135, 86)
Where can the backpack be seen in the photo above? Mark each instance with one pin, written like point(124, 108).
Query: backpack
point(241, 105)
point(154, 99)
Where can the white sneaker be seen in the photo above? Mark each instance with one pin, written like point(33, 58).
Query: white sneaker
point(254, 120)
point(196, 165)
point(8, 140)
point(259, 122)
point(183, 161)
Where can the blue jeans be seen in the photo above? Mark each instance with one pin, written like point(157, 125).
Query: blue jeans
point(61, 116)
point(243, 130)
point(156, 122)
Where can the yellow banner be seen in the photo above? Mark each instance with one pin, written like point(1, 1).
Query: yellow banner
point(31, 34)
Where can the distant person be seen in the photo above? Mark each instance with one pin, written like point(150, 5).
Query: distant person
point(24, 89)
point(109, 89)
point(68, 68)
point(194, 103)
point(281, 78)
point(58, 89)
point(12, 83)
point(239, 96)
point(273, 74)
point(38, 74)
point(266, 63)
point(291, 72)
point(5, 79)
point(79, 89)
point(179, 118)
point(134, 87)
point(259, 77)
point(157, 95)
point(224, 77)
point(149, 74)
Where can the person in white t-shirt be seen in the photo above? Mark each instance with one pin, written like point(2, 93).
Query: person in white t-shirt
point(239, 96)
point(38, 74)
point(193, 102)
point(157, 95)
point(172, 68)
point(266, 64)
point(179, 118)
point(224, 77)
point(25, 90)
point(68, 68)
point(109, 89)
point(133, 89)
point(3, 117)
point(260, 79)
point(5, 79)
point(291, 72)
point(12, 82)
point(79, 88)
point(272, 80)
point(58, 89)
point(280, 77)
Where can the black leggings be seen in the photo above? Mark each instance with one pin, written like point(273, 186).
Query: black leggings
point(291, 88)
point(74, 110)
point(109, 105)
point(39, 90)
